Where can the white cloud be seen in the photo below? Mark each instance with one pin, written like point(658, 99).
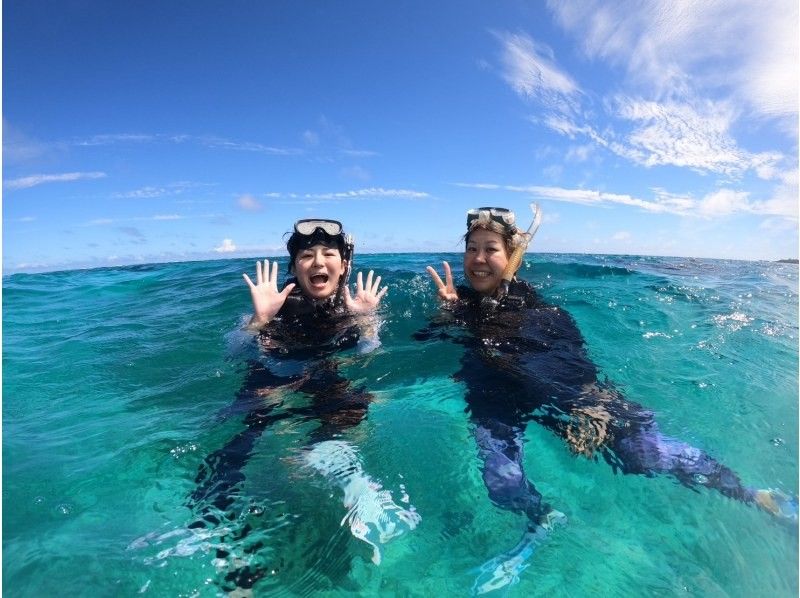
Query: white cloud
point(143, 193)
point(721, 202)
point(249, 203)
point(211, 141)
point(112, 139)
point(724, 202)
point(749, 47)
point(621, 236)
point(40, 179)
point(150, 192)
point(529, 68)
point(695, 136)
point(247, 146)
point(683, 135)
point(227, 246)
point(367, 193)
point(167, 217)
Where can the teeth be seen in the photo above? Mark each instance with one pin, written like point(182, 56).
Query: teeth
point(481, 274)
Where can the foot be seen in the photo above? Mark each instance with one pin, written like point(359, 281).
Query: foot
point(373, 516)
point(505, 569)
point(778, 503)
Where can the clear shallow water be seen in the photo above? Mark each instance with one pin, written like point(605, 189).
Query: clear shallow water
point(114, 382)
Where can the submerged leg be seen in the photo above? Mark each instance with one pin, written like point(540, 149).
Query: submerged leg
point(372, 514)
point(500, 449)
point(649, 452)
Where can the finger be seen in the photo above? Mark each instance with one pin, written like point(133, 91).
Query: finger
point(248, 281)
point(259, 275)
point(382, 293)
point(448, 275)
point(368, 286)
point(359, 284)
point(347, 298)
point(285, 292)
point(273, 277)
point(435, 276)
point(376, 285)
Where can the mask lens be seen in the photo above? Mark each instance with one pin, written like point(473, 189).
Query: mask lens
point(307, 227)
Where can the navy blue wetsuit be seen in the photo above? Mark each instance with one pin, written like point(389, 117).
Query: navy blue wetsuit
point(306, 336)
point(525, 359)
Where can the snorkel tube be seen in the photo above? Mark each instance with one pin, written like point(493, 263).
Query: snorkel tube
point(521, 241)
point(347, 254)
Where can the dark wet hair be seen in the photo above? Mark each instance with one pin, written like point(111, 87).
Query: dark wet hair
point(298, 242)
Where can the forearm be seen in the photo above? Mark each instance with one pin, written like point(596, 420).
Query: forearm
point(368, 327)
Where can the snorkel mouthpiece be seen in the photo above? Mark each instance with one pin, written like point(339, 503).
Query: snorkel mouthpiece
point(521, 240)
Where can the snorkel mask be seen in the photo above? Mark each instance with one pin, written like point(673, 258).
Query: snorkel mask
point(519, 240)
point(318, 231)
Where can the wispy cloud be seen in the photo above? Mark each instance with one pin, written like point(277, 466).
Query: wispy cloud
point(530, 69)
point(248, 146)
point(367, 193)
point(19, 148)
point(327, 141)
point(150, 192)
point(722, 202)
point(248, 203)
point(748, 49)
point(115, 138)
point(683, 135)
point(210, 141)
point(41, 179)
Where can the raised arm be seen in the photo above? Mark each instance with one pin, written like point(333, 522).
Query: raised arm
point(446, 290)
point(267, 300)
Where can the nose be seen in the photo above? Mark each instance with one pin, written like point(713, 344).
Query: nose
point(319, 259)
point(480, 256)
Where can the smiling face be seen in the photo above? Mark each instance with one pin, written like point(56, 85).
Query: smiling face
point(485, 259)
point(318, 270)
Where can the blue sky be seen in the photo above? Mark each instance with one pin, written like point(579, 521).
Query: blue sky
point(167, 131)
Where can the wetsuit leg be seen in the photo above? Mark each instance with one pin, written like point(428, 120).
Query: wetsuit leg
point(336, 403)
point(647, 451)
point(600, 420)
point(500, 449)
point(221, 471)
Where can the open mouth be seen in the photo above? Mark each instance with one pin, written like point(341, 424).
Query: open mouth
point(481, 274)
point(319, 279)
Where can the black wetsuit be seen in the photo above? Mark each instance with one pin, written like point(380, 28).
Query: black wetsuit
point(305, 336)
point(524, 360)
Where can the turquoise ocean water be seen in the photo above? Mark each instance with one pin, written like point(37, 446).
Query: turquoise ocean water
point(115, 381)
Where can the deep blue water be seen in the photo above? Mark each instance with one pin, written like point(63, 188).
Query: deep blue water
point(115, 382)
